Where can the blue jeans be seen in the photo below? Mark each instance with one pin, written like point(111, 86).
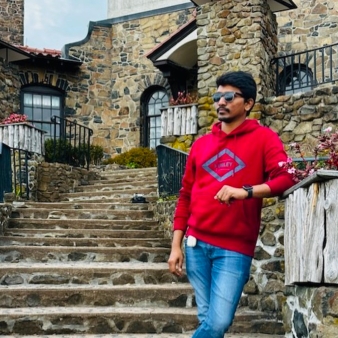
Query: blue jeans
point(218, 277)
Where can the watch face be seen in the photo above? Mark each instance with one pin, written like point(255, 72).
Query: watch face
point(247, 187)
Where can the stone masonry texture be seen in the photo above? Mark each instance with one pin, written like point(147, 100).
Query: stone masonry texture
point(105, 95)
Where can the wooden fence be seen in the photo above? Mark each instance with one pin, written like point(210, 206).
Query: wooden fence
point(23, 136)
point(311, 230)
point(179, 120)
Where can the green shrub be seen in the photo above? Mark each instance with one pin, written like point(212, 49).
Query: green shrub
point(96, 154)
point(140, 157)
point(62, 151)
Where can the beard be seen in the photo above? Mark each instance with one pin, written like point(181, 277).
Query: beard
point(224, 118)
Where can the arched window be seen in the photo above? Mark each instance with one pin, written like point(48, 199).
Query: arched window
point(40, 103)
point(296, 78)
point(153, 100)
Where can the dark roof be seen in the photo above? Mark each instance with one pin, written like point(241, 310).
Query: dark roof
point(23, 54)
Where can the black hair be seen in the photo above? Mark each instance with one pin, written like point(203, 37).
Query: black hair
point(241, 80)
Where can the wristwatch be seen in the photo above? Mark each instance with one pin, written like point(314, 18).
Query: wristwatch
point(249, 189)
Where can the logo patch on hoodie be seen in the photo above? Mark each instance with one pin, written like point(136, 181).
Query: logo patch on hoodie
point(223, 165)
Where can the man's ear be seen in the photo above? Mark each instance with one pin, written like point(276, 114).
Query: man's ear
point(249, 104)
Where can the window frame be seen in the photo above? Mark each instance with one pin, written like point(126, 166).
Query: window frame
point(42, 90)
point(146, 118)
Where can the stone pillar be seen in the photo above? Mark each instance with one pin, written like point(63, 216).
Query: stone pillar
point(12, 21)
point(234, 35)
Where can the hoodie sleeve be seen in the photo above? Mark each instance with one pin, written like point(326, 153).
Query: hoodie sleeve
point(182, 211)
point(279, 179)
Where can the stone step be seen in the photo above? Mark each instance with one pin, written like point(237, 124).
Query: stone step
point(98, 213)
point(124, 180)
point(122, 195)
point(136, 295)
point(24, 223)
point(130, 173)
point(85, 205)
point(86, 319)
point(90, 273)
point(83, 234)
point(150, 242)
point(111, 320)
point(85, 254)
point(132, 186)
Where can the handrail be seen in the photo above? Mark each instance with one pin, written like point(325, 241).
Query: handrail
point(69, 143)
point(170, 167)
point(305, 70)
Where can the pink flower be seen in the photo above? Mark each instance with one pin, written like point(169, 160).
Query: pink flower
point(325, 156)
point(15, 118)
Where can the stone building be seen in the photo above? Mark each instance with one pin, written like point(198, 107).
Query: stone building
point(118, 77)
point(129, 65)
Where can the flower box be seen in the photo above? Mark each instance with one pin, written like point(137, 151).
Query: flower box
point(23, 136)
point(179, 120)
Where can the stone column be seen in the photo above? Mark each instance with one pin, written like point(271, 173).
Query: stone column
point(234, 35)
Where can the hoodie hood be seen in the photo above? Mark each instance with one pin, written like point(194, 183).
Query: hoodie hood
point(248, 126)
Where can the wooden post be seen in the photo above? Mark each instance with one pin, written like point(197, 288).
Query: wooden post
point(331, 247)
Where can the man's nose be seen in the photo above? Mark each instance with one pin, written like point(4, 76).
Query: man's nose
point(222, 101)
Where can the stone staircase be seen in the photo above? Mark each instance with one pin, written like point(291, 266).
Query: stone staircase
point(96, 265)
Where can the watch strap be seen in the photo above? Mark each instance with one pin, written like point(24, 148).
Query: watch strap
point(249, 190)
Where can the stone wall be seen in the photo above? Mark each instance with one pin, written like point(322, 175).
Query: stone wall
point(55, 178)
point(311, 312)
point(313, 24)
point(12, 21)
point(302, 117)
point(10, 89)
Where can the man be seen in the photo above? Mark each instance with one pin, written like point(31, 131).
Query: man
point(227, 174)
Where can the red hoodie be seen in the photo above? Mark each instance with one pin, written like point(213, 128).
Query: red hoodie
point(250, 154)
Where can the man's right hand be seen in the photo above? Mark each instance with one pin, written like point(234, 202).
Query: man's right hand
point(175, 261)
point(176, 257)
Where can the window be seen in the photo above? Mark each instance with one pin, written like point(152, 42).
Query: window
point(152, 117)
point(296, 78)
point(40, 103)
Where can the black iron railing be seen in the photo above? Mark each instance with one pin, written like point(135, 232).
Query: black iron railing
point(14, 176)
point(170, 166)
point(69, 143)
point(5, 171)
point(306, 70)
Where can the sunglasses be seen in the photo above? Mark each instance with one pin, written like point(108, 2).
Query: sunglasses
point(227, 96)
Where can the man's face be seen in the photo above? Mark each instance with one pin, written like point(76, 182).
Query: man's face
point(230, 104)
